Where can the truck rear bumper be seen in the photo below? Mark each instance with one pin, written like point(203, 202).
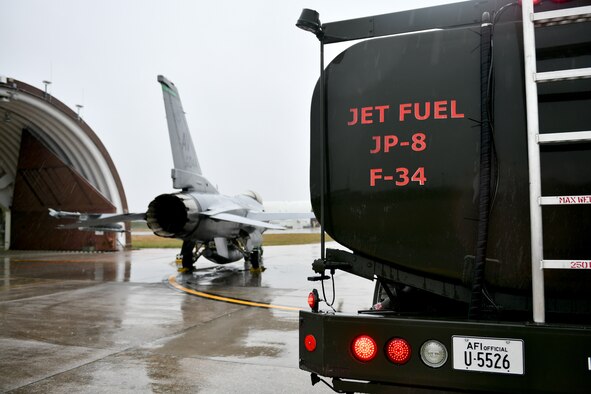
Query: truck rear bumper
point(482, 356)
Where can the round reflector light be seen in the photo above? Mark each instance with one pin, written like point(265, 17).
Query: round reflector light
point(364, 348)
point(398, 351)
point(433, 353)
point(310, 343)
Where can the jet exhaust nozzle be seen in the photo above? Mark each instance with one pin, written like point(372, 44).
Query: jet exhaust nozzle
point(173, 215)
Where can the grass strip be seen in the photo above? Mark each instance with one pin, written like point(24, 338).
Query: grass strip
point(154, 241)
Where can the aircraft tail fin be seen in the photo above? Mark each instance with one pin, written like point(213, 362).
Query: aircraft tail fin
point(186, 173)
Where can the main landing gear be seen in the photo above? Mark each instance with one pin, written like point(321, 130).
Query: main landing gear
point(186, 259)
point(255, 258)
point(191, 251)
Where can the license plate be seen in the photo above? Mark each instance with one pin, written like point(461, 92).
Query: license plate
point(496, 355)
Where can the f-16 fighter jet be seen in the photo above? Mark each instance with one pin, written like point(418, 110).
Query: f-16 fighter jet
point(220, 228)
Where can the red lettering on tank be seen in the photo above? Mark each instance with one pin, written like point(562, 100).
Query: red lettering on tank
point(441, 109)
point(382, 109)
point(390, 141)
point(355, 116)
point(378, 145)
point(374, 175)
point(454, 112)
point(418, 143)
point(405, 109)
point(439, 112)
point(367, 114)
point(400, 177)
point(427, 112)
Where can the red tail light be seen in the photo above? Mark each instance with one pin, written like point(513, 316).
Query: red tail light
point(398, 351)
point(364, 348)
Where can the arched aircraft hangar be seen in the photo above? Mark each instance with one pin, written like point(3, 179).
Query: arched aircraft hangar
point(50, 158)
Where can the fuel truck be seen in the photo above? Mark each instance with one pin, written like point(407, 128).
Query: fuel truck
point(451, 162)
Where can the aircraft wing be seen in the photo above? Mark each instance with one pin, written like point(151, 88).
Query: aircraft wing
point(228, 217)
point(96, 222)
point(72, 215)
point(267, 216)
point(108, 228)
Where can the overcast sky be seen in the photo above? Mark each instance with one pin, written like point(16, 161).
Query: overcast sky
point(245, 74)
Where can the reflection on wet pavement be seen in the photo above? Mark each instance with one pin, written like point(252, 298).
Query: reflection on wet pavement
point(224, 275)
point(111, 323)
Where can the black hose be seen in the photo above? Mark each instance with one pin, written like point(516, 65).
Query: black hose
point(485, 169)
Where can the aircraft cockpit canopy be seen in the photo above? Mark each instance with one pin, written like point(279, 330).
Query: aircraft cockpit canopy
point(254, 195)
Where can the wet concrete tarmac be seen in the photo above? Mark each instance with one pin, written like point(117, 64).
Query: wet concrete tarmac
point(112, 322)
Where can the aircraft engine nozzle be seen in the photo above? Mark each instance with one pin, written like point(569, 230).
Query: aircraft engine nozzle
point(173, 215)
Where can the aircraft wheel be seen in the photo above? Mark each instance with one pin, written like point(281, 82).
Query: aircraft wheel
point(255, 261)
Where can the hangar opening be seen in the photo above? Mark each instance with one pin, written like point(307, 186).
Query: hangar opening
point(50, 158)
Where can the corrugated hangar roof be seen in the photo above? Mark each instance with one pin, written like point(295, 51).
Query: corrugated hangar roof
point(59, 128)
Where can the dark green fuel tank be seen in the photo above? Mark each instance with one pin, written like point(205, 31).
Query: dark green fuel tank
point(403, 154)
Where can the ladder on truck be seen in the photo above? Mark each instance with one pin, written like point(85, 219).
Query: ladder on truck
point(532, 20)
